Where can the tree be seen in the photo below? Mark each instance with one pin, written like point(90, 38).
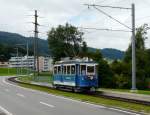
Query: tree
point(140, 42)
point(122, 70)
point(65, 41)
point(106, 77)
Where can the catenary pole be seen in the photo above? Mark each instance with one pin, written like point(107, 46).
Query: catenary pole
point(133, 88)
point(133, 50)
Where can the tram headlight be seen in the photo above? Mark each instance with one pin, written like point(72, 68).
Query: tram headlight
point(91, 77)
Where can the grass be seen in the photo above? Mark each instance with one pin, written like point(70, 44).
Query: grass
point(11, 71)
point(7, 71)
point(145, 92)
point(44, 77)
point(92, 99)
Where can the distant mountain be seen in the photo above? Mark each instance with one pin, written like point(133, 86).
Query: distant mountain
point(113, 54)
point(11, 39)
point(110, 53)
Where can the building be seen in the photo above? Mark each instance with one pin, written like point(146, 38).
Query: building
point(4, 64)
point(45, 63)
point(22, 62)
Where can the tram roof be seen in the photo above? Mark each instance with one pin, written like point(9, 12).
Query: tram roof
point(75, 62)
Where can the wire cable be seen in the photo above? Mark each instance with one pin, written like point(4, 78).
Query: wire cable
point(111, 17)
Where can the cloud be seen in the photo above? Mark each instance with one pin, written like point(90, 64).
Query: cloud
point(14, 18)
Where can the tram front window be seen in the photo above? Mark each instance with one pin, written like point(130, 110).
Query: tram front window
point(90, 70)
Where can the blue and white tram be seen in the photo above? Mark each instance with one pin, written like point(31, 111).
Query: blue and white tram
point(75, 74)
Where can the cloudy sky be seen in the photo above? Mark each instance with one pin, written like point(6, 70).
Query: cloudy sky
point(16, 15)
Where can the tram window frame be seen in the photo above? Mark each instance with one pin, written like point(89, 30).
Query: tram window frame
point(68, 69)
point(64, 69)
point(88, 72)
point(81, 71)
point(55, 69)
point(58, 69)
point(73, 72)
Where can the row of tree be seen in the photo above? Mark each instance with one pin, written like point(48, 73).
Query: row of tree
point(67, 41)
point(6, 52)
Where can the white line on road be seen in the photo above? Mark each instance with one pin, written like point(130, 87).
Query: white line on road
point(5, 111)
point(49, 105)
point(27, 89)
point(20, 95)
point(131, 113)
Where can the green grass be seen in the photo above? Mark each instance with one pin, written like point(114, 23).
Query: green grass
point(10, 71)
point(145, 92)
point(45, 78)
point(7, 71)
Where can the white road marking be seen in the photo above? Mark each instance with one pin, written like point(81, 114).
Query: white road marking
point(49, 105)
point(7, 90)
point(73, 100)
point(20, 95)
point(27, 89)
point(5, 111)
point(131, 113)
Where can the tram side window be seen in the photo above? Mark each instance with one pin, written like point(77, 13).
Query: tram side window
point(64, 69)
point(59, 70)
point(68, 69)
point(72, 69)
point(55, 70)
point(83, 69)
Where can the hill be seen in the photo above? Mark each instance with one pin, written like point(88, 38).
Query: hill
point(9, 41)
point(110, 53)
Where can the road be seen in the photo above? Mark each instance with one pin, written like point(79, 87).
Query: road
point(15, 100)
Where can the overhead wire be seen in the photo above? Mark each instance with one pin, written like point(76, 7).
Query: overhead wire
point(106, 29)
point(112, 17)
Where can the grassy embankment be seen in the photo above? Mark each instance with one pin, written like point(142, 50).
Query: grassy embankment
point(92, 99)
point(45, 77)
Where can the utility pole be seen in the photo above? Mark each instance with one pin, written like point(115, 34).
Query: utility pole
point(133, 50)
point(36, 60)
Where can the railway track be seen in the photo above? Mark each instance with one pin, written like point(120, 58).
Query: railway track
point(96, 94)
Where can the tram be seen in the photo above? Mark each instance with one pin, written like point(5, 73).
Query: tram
point(76, 74)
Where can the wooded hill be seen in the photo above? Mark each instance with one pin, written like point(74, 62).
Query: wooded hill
point(8, 43)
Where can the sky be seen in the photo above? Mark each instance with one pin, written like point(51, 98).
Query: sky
point(17, 16)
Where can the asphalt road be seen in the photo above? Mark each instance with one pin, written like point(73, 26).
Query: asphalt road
point(15, 100)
